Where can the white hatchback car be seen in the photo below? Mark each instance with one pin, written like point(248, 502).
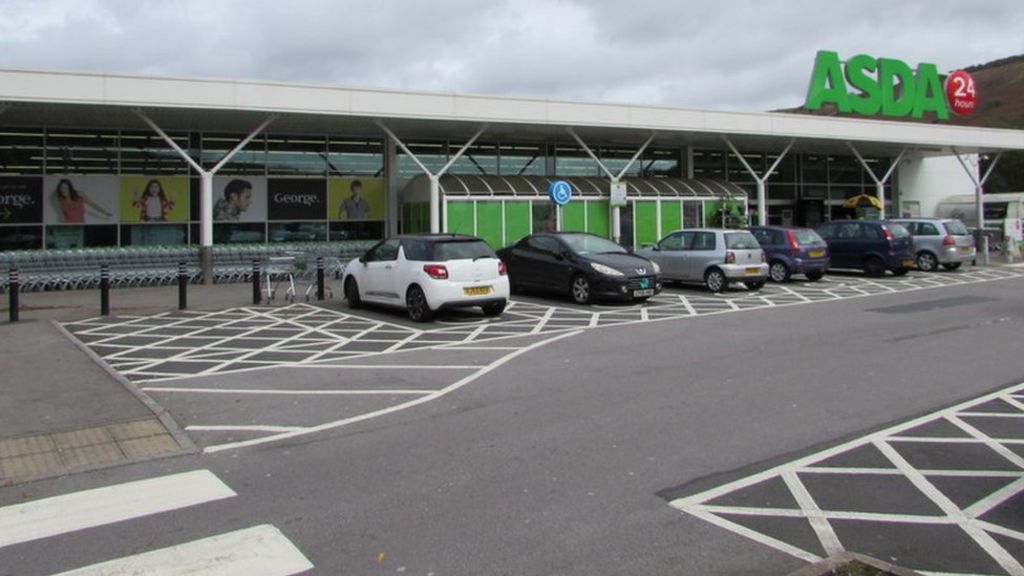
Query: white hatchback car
point(425, 273)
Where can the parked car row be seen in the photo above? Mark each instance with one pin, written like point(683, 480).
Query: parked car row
point(426, 273)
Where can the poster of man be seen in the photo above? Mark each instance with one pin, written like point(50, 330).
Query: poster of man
point(80, 199)
point(356, 199)
point(239, 199)
point(154, 199)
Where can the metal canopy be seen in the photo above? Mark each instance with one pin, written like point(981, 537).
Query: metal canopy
point(586, 187)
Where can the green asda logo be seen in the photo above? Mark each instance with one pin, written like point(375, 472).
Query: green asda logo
point(885, 86)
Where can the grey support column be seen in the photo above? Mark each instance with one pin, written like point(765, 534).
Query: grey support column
point(879, 182)
point(982, 239)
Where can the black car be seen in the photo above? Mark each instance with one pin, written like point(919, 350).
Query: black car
point(868, 245)
point(581, 265)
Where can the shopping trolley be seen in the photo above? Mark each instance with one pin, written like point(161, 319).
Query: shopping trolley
point(297, 269)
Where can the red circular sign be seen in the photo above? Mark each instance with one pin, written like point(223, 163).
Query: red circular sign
point(960, 93)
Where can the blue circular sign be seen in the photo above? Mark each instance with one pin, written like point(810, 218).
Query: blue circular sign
point(560, 192)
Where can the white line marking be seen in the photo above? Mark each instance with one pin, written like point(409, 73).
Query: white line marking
point(894, 472)
point(262, 550)
point(226, 428)
point(100, 506)
point(989, 502)
point(291, 392)
point(752, 535)
point(826, 535)
point(423, 399)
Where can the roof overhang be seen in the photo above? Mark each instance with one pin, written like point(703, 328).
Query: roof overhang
point(109, 101)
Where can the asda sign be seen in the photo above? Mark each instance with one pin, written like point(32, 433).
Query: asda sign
point(868, 86)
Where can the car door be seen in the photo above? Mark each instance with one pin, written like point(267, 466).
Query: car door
point(701, 253)
point(844, 245)
point(671, 255)
point(379, 273)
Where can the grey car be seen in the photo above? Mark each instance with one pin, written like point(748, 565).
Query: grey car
point(938, 242)
point(712, 256)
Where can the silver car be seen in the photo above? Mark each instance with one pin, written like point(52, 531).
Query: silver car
point(713, 256)
point(939, 242)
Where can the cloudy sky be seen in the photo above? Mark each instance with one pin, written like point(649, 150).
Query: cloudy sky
point(727, 54)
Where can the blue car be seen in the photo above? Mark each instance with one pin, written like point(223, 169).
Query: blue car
point(791, 250)
point(867, 245)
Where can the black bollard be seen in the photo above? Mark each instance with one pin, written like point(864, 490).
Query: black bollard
point(319, 277)
point(182, 286)
point(104, 290)
point(256, 297)
point(13, 288)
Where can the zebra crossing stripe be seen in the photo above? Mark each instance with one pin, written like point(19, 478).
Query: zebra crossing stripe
point(258, 551)
point(107, 505)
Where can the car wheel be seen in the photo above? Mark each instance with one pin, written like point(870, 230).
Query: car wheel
point(715, 280)
point(778, 271)
point(352, 293)
point(814, 276)
point(580, 289)
point(874, 267)
point(494, 308)
point(757, 285)
point(927, 262)
point(951, 266)
point(416, 305)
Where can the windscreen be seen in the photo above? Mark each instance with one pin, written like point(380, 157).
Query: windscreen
point(741, 241)
point(897, 230)
point(462, 250)
point(587, 244)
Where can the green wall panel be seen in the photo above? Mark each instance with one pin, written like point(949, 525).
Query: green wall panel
point(712, 219)
point(572, 217)
point(597, 218)
point(645, 222)
point(518, 221)
point(671, 216)
point(489, 223)
point(460, 217)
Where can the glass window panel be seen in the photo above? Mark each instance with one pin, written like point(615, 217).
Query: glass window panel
point(353, 157)
point(785, 171)
point(251, 160)
point(815, 168)
point(544, 219)
point(357, 231)
point(288, 155)
point(433, 155)
point(238, 232)
point(148, 153)
point(63, 237)
point(81, 152)
point(153, 234)
point(661, 164)
point(739, 173)
point(21, 151)
point(298, 231)
point(522, 160)
point(574, 162)
point(21, 237)
point(709, 164)
point(479, 159)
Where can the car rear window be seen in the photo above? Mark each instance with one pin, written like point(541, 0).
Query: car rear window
point(741, 241)
point(808, 236)
point(956, 228)
point(898, 231)
point(461, 250)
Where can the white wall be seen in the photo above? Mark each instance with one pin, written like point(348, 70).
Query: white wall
point(931, 180)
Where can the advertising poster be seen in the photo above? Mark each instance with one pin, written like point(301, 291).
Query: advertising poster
point(356, 199)
point(239, 199)
point(21, 200)
point(81, 199)
point(154, 199)
point(297, 199)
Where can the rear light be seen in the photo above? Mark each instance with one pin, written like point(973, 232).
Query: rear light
point(502, 268)
point(793, 242)
point(436, 271)
point(764, 257)
point(949, 241)
point(888, 233)
point(730, 257)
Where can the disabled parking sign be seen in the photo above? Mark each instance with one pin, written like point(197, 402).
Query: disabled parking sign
point(560, 192)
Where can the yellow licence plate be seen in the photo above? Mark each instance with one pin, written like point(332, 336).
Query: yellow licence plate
point(817, 253)
point(752, 271)
point(477, 291)
point(965, 249)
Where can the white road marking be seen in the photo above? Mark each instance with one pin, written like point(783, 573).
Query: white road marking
point(228, 428)
point(405, 405)
point(257, 391)
point(100, 506)
point(258, 551)
point(827, 536)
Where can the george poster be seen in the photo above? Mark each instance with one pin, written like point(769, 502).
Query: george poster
point(239, 199)
point(296, 199)
point(356, 199)
point(21, 200)
point(81, 199)
point(159, 199)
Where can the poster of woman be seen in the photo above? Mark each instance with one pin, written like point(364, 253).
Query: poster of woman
point(154, 199)
point(80, 199)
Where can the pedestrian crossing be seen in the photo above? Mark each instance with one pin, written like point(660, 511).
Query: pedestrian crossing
point(261, 550)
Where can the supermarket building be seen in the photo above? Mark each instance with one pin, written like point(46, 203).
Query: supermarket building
point(95, 159)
